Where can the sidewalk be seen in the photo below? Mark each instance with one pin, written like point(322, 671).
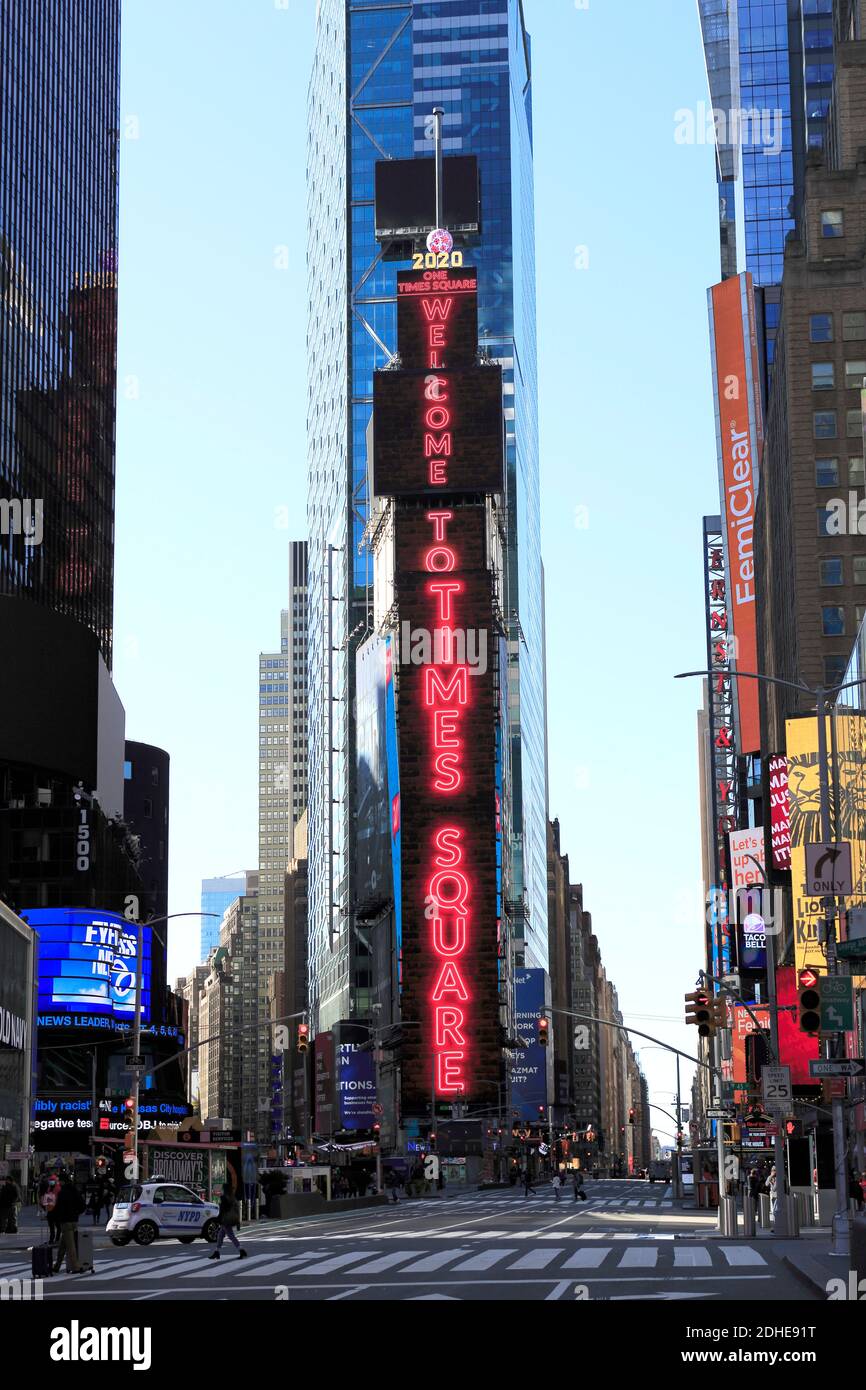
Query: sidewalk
point(814, 1265)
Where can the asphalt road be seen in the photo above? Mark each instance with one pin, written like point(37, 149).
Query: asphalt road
point(628, 1241)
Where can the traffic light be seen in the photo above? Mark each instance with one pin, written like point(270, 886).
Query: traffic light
point(303, 1037)
point(543, 1032)
point(708, 1011)
point(631, 1115)
point(794, 1129)
point(809, 984)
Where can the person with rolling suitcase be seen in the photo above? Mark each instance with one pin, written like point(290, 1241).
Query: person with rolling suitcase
point(68, 1208)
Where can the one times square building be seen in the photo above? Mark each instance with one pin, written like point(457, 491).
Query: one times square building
point(380, 70)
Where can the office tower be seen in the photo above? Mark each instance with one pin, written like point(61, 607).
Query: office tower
point(404, 59)
point(145, 810)
point(770, 69)
point(812, 558)
point(217, 896)
point(189, 988)
point(59, 112)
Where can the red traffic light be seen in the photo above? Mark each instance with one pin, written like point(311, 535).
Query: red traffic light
point(543, 1032)
point(808, 979)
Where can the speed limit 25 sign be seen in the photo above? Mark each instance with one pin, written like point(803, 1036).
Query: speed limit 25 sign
point(776, 1083)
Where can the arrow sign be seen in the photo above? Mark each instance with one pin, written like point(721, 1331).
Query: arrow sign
point(854, 1066)
point(828, 870)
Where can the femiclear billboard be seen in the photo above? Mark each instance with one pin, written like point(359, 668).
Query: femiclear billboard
point(739, 439)
point(87, 963)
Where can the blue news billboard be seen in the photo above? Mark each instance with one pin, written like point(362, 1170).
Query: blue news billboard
point(529, 1066)
point(356, 1078)
point(87, 963)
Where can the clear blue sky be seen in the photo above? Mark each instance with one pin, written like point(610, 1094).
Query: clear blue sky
point(211, 408)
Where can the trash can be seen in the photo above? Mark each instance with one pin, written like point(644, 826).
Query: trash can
point(858, 1246)
point(764, 1210)
point(748, 1216)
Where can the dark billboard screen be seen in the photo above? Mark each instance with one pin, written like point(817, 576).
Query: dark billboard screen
point(406, 195)
point(373, 815)
point(447, 711)
point(438, 431)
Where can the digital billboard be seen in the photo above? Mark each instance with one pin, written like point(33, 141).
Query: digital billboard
point(739, 440)
point(447, 713)
point(406, 195)
point(356, 1078)
point(529, 1066)
point(437, 318)
point(87, 964)
point(847, 774)
point(780, 814)
point(438, 431)
point(373, 857)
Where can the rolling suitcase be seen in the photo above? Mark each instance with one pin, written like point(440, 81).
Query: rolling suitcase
point(84, 1246)
point(42, 1262)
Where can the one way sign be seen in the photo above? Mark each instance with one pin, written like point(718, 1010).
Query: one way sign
point(828, 870)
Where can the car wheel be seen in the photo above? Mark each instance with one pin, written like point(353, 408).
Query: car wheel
point(209, 1231)
point(186, 1240)
point(120, 1240)
point(146, 1233)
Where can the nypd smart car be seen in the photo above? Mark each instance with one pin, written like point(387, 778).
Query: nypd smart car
point(145, 1211)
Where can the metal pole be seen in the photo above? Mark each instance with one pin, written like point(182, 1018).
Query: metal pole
point(720, 1141)
point(841, 1229)
point(678, 1182)
point(781, 1227)
point(438, 113)
point(136, 1044)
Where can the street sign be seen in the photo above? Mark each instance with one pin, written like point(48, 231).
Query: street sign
point(717, 1112)
point(133, 1060)
point(852, 950)
point(828, 870)
point(377, 1109)
point(837, 1004)
point(776, 1082)
point(852, 1066)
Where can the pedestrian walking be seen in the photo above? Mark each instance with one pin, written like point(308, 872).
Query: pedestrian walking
point(556, 1184)
point(773, 1189)
point(392, 1182)
point(10, 1201)
point(67, 1209)
point(527, 1184)
point(229, 1217)
point(49, 1186)
point(577, 1184)
point(756, 1186)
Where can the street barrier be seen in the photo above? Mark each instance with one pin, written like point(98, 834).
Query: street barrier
point(793, 1217)
point(764, 1210)
point(748, 1216)
point(728, 1216)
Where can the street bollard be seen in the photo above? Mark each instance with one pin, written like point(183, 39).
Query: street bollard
point(728, 1211)
point(793, 1217)
point(804, 1210)
point(748, 1217)
point(764, 1210)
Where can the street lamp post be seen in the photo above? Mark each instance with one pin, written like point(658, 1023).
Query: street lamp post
point(132, 1163)
point(841, 1225)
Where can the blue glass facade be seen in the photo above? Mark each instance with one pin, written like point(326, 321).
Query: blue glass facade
point(379, 70)
point(217, 894)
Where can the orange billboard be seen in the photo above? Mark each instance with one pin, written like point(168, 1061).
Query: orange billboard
point(739, 439)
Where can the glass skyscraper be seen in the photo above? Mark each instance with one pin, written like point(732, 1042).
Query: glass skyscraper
point(770, 68)
point(59, 118)
point(379, 70)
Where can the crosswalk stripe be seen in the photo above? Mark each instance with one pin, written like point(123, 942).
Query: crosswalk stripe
point(742, 1255)
point(281, 1266)
point(190, 1264)
point(486, 1260)
point(109, 1271)
point(641, 1257)
point(588, 1259)
point(434, 1262)
point(691, 1257)
point(337, 1262)
point(386, 1262)
point(635, 1203)
point(262, 1264)
point(536, 1259)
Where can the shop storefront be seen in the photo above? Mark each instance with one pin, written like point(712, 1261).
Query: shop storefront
point(16, 1041)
